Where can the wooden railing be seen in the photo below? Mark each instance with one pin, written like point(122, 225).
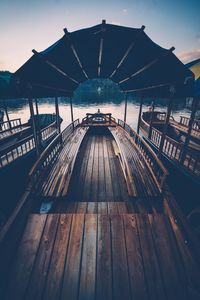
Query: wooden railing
point(155, 165)
point(161, 116)
point(7, 125)
point(17, 150)
point(50, 153)
point(24, 146)
point(174, 150)
point(185, 122)
point(49, 130)
point(68, 130)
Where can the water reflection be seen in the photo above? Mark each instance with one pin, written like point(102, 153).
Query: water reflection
point(20, 109)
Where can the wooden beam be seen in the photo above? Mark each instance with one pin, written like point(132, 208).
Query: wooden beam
point(75, 52)
point(191, 121)
point(7, 115)
point(57, 115)
point(150, 87)
point(54, 67)
point(101, 48)
point(139, 116)
point(127, 52)
point(151, 119)
point(125, 107)
point(147, 66)
point(169, 109)
point(37, 144)
point(72, 114)
point(36, 106)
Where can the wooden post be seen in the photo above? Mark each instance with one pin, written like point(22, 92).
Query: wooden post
point(169, 109)
point(72, 115)
point(7, 115)
point(151, 119)
point(125, 107)
point(30, 101)
point(57, 115)
point(191, 121)
point(36, 106)
point(139, 116)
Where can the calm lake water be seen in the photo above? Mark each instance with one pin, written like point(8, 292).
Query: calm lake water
point(21, 109)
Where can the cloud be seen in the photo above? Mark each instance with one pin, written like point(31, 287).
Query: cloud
point(124, 10)
point(189, 55)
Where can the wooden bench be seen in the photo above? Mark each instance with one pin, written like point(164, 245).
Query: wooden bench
point(141, 184)
point(56, 181)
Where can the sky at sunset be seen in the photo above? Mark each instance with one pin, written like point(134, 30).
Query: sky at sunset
point(27, 24)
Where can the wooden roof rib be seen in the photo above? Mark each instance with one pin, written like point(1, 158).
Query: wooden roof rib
point(127, 52)
point(147, 66)
point(75, 53)
point(54, 66)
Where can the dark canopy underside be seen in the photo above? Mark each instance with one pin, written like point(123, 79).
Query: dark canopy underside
point(125, 55)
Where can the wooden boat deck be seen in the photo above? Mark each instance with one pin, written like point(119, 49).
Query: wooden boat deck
point(105, 238)
point(102, 256)
point(97, 175)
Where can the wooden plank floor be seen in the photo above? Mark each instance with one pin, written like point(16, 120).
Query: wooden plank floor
point(102, 256)
point(97, 173)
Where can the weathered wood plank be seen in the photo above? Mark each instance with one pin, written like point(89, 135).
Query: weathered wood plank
point(92, 208)
point(82, 207)
point(56, 268)
point(70, 286)
point(170, 264)
point(135, 259)
point(41, 265)
point(107, 171)
point(101, 171)
point(121, 288)
point(95, 173)
point(150, 259)
point(88, 264)
point(26, 257)
point(102, 208)
point(104, 261)
point(113, 208)
point(88, 175)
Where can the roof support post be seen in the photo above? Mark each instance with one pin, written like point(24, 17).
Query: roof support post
point(139, 116)
point(151, 118)
point(191, 121)
point(72, 114)
point(125, 107)
point(7, 115)
point(37, 144)
point(36, 106)
point(57, 115)
point(169, 109)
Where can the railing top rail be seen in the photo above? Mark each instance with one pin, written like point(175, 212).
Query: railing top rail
point(48, 126)
point(12, 120)
point(188, 118)
point(17, 144)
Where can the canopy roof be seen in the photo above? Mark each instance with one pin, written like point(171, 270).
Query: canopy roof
point(125, 55)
